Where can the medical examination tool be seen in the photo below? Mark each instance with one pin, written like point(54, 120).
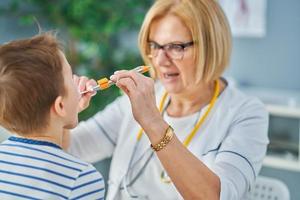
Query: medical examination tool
point(105, 83)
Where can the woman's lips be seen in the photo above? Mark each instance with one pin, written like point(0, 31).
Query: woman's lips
point(170, 76)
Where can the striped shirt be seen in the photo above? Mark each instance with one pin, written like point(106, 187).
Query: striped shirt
point(31, 169)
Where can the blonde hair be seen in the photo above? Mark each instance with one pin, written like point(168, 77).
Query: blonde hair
point(209, 29)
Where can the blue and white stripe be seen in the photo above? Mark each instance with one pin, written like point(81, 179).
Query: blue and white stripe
point(31, 169)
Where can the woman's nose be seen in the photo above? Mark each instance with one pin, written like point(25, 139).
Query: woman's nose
point(162, 58)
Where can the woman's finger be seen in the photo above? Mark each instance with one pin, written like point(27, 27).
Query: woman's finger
point(120, 71)
point(127, 85)
point(135, 76)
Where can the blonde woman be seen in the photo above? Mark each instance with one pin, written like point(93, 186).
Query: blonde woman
point(188, 134)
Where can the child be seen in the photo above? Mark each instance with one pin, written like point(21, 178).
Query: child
point(38, 101)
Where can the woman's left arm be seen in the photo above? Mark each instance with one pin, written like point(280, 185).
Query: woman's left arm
point(192, 178)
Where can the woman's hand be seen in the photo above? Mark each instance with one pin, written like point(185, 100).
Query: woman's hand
point(83, 83)
point(140, 90)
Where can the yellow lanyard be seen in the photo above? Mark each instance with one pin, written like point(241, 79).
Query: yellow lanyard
point(200, 121)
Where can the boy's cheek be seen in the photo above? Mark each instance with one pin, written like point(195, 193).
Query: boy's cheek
point(76, 92)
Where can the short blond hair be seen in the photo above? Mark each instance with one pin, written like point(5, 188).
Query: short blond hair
point(209, 29)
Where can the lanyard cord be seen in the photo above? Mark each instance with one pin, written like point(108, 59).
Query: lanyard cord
point(200, 121)
point(186, 141)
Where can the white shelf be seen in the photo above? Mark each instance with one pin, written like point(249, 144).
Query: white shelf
point(283, 111)
point(278, 101)
point(281, 163)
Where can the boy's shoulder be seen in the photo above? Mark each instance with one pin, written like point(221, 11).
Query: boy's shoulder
point(46, 162)
point(48, 155)
point(43, 151)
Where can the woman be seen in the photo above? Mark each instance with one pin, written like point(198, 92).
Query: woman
point(208, 139)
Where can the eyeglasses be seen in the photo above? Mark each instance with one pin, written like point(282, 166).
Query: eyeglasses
point(172, 50)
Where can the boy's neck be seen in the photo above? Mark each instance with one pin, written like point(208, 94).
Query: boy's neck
point(53, 135)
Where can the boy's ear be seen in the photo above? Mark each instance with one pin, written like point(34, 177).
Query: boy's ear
point(59, 107)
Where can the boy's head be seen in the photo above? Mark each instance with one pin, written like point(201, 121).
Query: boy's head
point(36, 85)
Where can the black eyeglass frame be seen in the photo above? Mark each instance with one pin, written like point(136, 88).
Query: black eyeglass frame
point(165, 48)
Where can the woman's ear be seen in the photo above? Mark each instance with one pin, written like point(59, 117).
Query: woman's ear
point(59, 107)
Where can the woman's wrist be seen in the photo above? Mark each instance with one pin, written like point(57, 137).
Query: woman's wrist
point(155, 130)
point(169, 133)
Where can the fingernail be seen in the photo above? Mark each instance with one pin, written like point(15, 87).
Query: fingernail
point(90, 88)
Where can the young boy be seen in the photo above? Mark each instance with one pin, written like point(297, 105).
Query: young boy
point(38, 101)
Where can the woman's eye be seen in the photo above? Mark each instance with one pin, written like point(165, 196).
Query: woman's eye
point(176, 47)
point(154, 46)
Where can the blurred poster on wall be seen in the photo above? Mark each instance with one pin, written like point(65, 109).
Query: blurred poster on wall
point(247, 18)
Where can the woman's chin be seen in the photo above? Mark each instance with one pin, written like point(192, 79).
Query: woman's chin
point(172, 88)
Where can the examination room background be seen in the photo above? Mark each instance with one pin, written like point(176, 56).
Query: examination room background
point(271, 62)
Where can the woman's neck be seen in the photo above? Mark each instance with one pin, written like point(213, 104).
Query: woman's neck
point(191, 101)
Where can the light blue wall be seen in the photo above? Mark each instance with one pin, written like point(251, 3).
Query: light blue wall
point(11, 28)
point(272, 61)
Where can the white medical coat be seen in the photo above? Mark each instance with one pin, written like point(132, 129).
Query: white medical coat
point(232, 143)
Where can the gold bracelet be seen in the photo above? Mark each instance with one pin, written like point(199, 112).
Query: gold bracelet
point(166, 139)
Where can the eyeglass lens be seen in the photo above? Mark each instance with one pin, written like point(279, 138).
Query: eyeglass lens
point(173, 50)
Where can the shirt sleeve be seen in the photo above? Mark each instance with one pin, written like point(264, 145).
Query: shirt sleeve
point(240, 156)
point(88, 185)
point(95, 139)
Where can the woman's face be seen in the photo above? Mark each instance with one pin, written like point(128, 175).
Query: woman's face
point(176, 73)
